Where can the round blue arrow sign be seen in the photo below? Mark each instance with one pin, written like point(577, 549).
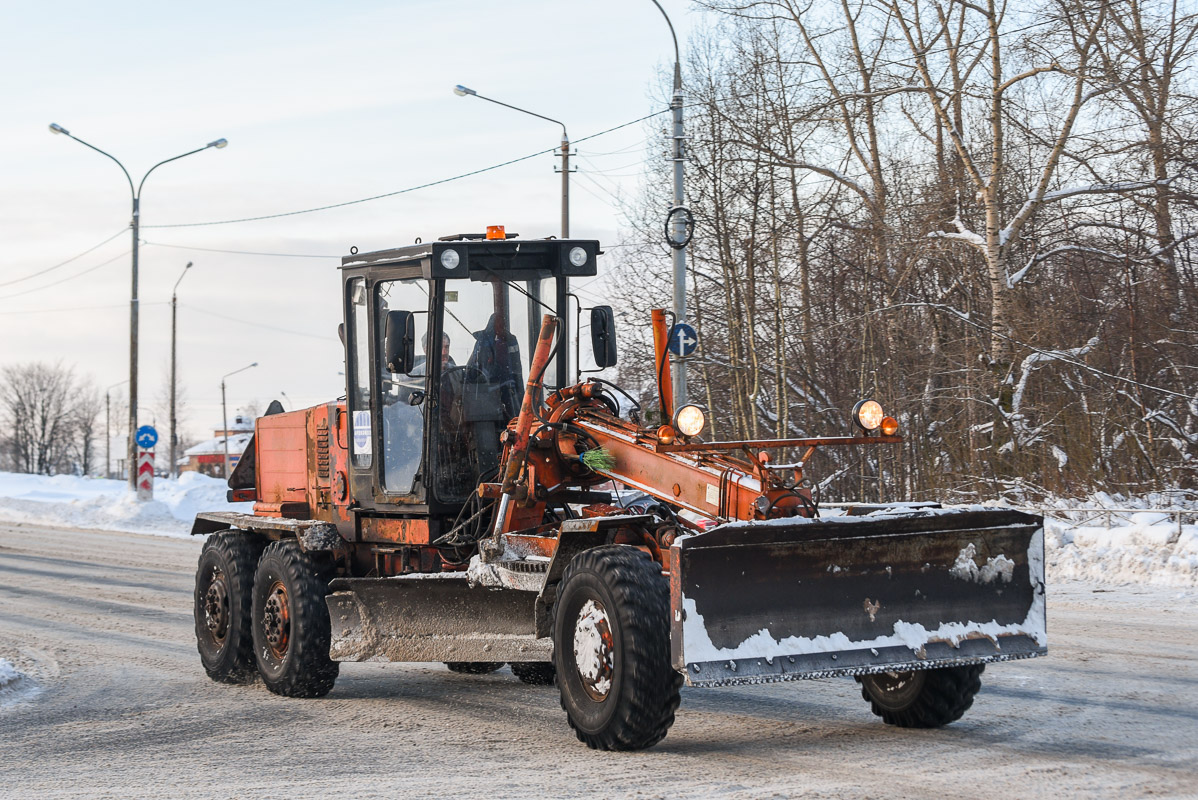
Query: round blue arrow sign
point(146, 437)
point(683, 339)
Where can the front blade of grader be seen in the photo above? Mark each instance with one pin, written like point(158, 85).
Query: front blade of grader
point(788, 599)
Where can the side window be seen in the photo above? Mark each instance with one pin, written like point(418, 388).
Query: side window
point(362, 447)
point(402, 398)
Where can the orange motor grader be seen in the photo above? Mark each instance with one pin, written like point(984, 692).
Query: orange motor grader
point(472, 501)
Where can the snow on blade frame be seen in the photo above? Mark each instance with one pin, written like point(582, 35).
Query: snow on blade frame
point(855, 596)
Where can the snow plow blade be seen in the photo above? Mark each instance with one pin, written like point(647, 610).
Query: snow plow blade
point(431, 618)
point(789, 599)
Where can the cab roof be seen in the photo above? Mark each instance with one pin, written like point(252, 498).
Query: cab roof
point(478, 257)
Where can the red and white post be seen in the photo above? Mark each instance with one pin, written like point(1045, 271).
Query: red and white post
point(145, 474)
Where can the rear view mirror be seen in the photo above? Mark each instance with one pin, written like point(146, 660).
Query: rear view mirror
point(603, 336)
point(401, 342)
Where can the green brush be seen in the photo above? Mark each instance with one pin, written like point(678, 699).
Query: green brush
point(598, 460)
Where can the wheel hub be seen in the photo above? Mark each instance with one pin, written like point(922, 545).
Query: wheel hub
point(276, 619)
point(594, 649)
point(216, 606)
point(895, 690)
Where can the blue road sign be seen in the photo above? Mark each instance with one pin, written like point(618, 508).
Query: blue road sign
point(683, 339)
point(146, 437)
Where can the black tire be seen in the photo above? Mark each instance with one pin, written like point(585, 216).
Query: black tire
point(534, 673)
point(613, 607)
point(223, 598)
point(291, 622)
point(927, 698)
point(473, 667)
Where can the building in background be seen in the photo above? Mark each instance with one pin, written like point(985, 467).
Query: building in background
point(208, 456)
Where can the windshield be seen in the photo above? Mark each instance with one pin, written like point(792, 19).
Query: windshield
point(486, 348)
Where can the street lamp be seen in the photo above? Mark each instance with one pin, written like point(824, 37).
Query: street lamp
point(174, 469)
point(462, 91)
point(107, 431)
point(133, 303)
point(225, 414)
point(678, 213)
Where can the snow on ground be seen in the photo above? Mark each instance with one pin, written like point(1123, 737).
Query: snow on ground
point(108, 504)
point(14, 685)
point(1146, 548)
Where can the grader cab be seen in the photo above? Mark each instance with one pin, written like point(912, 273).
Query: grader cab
point(472, 500)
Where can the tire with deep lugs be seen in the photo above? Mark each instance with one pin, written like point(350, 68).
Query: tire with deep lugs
point(224, 583)
point(291, 624)
point(612, 649)
point(928, 698)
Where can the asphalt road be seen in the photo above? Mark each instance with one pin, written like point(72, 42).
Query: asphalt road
point(102, 622)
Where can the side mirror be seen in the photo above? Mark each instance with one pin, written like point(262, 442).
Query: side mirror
point(401, 342)
point(603, 336)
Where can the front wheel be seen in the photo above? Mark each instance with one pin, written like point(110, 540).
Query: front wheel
point(926, 698)
point(291, 623)
point(612, 649)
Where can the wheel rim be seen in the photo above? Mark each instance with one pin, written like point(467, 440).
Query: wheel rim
point(276, 620)
point(216, 606)
point(594, 650)
point(895, 690)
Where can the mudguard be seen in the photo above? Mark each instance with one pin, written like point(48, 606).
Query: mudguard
point(910, 589)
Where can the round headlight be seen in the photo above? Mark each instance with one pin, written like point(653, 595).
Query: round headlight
point(450, 259)
point(577, 256)
point(689, 420)
point(868, 415)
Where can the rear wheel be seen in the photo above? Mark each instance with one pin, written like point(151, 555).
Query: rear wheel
point(224, 579)
point(612, 649)
point(291, 623)
point(473, 667)
point(534, 673)
point(926, 698)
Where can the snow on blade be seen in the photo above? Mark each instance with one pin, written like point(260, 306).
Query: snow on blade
point(698, 646)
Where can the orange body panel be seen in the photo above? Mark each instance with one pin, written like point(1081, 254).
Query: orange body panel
point(395, 531)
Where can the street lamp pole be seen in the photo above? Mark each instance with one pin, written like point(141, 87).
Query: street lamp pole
point(225, 414)
point(462, 91)
point(135, 192)
point(174, 468)
point(678, 231)
point(107, 428)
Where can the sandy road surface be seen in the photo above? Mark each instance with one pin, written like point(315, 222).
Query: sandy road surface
point(102, 621)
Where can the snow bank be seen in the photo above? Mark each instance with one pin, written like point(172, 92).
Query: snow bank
point(81, 502)
point(1147, 549)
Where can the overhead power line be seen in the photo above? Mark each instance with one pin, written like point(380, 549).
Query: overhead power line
point(40, 272)
point(238, 252)
point(69, 277)
point(410, 188)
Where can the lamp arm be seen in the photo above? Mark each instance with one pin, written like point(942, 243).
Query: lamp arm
point(114, 158)
point(167, 161)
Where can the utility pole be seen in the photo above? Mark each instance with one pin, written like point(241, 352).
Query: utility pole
point(462, 91)
point(565, 185)
point(678, 213)
point(174, 469)
point(135, 192)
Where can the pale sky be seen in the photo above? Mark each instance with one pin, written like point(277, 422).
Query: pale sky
point(321, 103)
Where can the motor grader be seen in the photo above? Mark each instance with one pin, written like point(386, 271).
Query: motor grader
point(475, 500)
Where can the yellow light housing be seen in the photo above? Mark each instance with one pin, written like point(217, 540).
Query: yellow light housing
point(689, 420)
point(496, 232)
point(868, 415)
point(665, 434)
point(889, 426)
